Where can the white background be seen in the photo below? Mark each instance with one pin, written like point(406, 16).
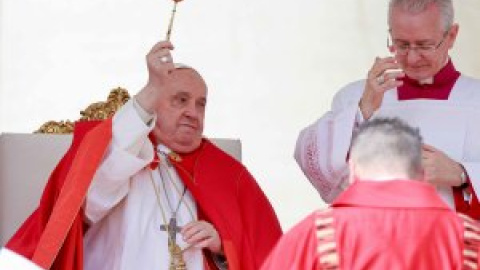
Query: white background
point(272, 67)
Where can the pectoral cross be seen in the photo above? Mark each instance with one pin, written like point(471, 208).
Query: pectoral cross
point(176, 255)
point(172, 229)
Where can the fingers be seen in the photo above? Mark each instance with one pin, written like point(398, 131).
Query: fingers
point(162, 50)
point(206, 243)
point(195, 231)
point(427, 147)
point(202, 234)
point(439, 169)
point(160, 58)
point(382, 64)
point(429, 153)
point(427, 157)
point(161, 45)
point(389, 80)
point(384, 74)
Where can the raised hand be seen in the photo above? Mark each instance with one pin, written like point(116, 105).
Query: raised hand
point(160, 64)
point(377, 83)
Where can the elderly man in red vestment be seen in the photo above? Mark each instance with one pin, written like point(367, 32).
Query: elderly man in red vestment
point(154, 194)
point(419, 84)
point(388, 218)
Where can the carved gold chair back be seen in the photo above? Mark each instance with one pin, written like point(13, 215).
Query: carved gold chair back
point(95, 111)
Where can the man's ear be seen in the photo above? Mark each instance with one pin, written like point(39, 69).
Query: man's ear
point(452, 35)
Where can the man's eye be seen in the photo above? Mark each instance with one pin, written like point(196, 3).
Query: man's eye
point(425, 47)
point(180, 101)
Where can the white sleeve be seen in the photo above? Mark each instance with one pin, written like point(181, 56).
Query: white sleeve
point(322, 148)
point(129, 152)
point(10, 260)
point(471, 152)
point(473, 171)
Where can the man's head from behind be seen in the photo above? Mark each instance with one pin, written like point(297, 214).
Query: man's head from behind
point(181, 112)
point(385, 149)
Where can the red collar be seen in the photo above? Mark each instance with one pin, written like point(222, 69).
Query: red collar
point(189, 160)
point(186, 160)
point(443, 83)
point(390, 194)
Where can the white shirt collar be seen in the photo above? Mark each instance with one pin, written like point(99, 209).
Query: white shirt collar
point(431, 80)
point(163, 149)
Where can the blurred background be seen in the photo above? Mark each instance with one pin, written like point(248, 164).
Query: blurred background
point(272, 67)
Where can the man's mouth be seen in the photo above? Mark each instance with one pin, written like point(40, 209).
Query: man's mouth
point(191, 126)
point(418, 67)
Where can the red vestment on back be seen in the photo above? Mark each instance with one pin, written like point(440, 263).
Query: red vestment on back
point(396, 225)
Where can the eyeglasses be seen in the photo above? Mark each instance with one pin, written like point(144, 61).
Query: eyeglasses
point(403, 48)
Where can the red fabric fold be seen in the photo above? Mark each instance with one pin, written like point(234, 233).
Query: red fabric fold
point(246, 221)
point(62, 246)
point(221, 186)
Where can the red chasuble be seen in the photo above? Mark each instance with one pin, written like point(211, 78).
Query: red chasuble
point(404, 225)
point(226, 195)
point(230, 198)
point(440, 89)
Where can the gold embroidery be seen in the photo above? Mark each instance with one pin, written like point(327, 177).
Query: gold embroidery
point(327, 247)
point(174, 157)
point(471, 240)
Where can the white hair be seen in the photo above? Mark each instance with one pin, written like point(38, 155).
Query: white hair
point(418, 6)
point(387, 145)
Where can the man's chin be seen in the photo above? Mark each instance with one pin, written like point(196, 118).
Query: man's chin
point(186, 145)
point(420, 76)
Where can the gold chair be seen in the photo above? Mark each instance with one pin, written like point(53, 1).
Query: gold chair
point(95, 111)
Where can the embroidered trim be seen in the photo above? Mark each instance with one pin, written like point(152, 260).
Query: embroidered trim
point(330, 136)
point(312, 168)
point(340, 176)
point(330, 186)
point(471, 242)
point(328, 258)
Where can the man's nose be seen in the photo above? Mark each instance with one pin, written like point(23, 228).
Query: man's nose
point(192, 111)
point(413, 55)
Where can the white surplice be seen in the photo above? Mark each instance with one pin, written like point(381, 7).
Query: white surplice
point(452, 126)
point(122, 208)
point(10, 260)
